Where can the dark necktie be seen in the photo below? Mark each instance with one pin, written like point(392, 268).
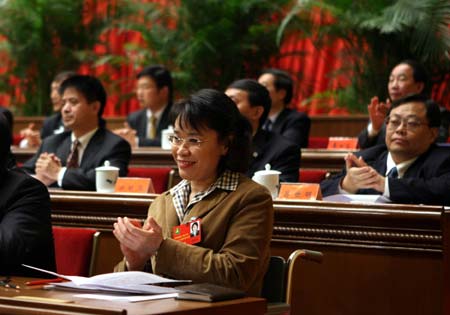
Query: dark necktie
point(393, 173)
point(72, 159)
point(268, 125)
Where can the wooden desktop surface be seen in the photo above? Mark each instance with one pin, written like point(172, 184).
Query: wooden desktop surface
point(9, 304)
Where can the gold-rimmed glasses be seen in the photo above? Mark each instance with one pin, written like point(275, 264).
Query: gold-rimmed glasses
point(188, 142)
point(410, 123)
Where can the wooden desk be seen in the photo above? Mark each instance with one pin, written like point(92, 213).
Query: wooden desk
point(331, 160)
point(378, 258)
point(10, 305)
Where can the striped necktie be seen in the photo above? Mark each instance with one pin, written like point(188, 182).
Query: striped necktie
point(393, 173)
point(72, 159)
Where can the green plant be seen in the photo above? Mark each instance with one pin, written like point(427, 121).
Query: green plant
point(205, 43)
point(41, 38)
point(377, 34)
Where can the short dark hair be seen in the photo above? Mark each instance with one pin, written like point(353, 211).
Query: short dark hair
point(162, 77)
point(91, 88)
point(9, 117)
point(420, 74)
point(432, 108)
point(258, 95)
point(5, 143)
point(283, 81)
point(212, 109)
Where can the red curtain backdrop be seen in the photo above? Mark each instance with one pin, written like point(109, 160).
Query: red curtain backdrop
point(311, 70)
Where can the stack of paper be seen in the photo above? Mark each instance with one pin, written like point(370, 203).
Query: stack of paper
point(131, 282)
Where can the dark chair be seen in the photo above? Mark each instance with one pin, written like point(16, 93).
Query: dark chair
point(75, 250)
point(279, 279)
point(162, 177)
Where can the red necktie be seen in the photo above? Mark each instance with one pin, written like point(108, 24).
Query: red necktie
point(72, 159)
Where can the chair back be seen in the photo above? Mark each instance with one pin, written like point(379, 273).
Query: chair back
point(274, 280)
point(160, 176)
point(312, 176)
point(318, 142)
point(75, 250)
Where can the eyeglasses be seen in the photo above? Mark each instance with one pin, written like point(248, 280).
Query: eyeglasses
point(189, 142)
point(410, 123)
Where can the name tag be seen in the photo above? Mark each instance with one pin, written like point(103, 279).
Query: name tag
point(304, 191)
point(189, 233)
point(134, 185)
point(342, 143)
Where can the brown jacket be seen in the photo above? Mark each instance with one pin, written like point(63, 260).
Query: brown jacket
point(236, 230)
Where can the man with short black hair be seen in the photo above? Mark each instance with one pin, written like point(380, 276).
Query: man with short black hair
point(253, 101)
point(69, 159)
point(154, 91)
point(289, 123)
point(410, 168)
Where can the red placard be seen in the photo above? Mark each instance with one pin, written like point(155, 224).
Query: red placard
point(303, 191)
point(342, 143)
point(134, 185)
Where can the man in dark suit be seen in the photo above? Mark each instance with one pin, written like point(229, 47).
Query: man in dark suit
point(253, 101)
point(289, 123)
point(51, 125)
point(155, 94)
point(69, 159)
point(410, 168)
point(25, 222)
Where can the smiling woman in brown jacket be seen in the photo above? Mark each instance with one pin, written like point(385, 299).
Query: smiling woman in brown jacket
point(210, 144)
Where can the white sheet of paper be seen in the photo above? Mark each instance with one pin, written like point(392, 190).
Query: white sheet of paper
point(114, 278)
point(354, 198)
point(133, 282)
point(127, 298)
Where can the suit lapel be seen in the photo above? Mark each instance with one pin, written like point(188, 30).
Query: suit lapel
point(142, 123)
point(380, 163)
point(92, 148)
point(204, 206)
point(64, 147)
point(278, 122)
point(163, 120)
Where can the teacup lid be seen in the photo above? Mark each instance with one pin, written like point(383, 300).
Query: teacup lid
point(267, 171)
point(107, 167)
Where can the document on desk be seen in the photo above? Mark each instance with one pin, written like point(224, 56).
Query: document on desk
point(127, 298)
point(354, 198)
point(132, 282)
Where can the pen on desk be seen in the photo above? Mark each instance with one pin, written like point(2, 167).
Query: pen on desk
point(44, 281)
point(6, 283)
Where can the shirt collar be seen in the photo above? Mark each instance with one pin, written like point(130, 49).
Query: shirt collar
point(274, 116)
point(84, 139)
point(401, 167)
point(180, 193)
point(157, 114)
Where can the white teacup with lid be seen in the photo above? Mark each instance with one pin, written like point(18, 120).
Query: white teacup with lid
point(106, 178)
point(270, 179)
point(165, 134)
